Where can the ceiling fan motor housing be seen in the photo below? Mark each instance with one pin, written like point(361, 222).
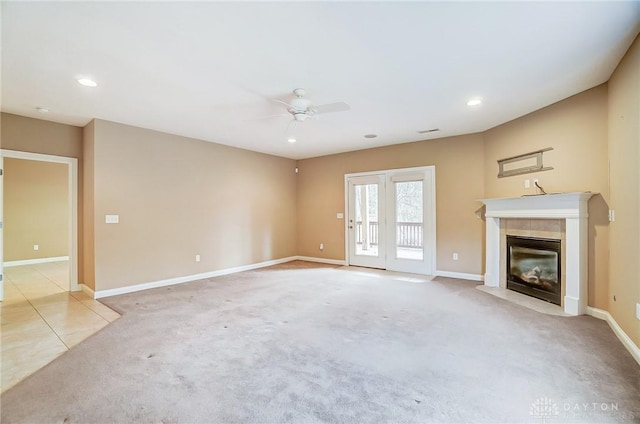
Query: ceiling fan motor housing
point(301, 108)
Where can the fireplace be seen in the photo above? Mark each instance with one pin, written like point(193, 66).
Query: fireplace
point(533, 267)
point(570, 208)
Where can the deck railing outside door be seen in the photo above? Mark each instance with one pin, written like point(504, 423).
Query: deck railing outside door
point(408, 234)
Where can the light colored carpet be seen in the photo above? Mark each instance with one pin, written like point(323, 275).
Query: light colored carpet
point(309, 343)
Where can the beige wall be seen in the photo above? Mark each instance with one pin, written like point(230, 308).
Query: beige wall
point(624, 157)
point(576, 128)
point(178, 197)
point(36, 209)
point(459, 184)
point(38, 136)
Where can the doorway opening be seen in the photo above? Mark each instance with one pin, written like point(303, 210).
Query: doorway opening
point(391, 219)
point(71, 238)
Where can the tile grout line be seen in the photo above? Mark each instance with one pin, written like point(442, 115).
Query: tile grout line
point(48, 324)
point(42, 318)
point(50, 279)
point(95, 312)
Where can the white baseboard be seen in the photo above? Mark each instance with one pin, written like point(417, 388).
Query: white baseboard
point(320, 260)
point(35, 261)
point(179, 280)
point(617, 330)
point(88, 290)
point(460, 275)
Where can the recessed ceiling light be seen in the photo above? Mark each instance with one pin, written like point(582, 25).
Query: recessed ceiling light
point(291, 140)
point(87, 82)
point(474, 102)
point(42, 109)
point(370, 135)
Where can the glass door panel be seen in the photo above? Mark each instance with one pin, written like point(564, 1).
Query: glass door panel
point(366, 204)
point(409, 223)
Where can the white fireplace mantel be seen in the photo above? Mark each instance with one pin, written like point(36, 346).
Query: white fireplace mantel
point(573, 208)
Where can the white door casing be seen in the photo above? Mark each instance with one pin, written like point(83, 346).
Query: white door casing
point(72, 165)
point(1, 228)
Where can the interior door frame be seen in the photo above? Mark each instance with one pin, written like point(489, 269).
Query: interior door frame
point(72, 180)
point(429, 212)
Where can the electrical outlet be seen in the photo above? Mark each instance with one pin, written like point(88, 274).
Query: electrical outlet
point(536, 181)
point(455, 256)
point(36, 247)
point(612, 215)
point(321, 246)
point(527, 183)
point(197, 258)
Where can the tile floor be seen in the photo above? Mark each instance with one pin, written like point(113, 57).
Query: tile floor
point(41, 319)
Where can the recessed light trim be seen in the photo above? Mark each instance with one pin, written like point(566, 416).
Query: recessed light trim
point(474, 102)
point(42, 109)
point(370, 135)
point(291, 140)
point(87, 82)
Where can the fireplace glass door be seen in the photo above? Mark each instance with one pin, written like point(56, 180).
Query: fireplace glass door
point(533, 267)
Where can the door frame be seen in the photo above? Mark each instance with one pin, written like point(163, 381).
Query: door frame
point(429, 213)
point(72, 180)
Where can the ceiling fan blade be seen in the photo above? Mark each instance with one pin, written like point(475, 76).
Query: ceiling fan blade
point(284, 103)
point(265, 117)
point(332, 107)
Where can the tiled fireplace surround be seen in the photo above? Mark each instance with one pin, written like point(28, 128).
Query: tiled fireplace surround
point(555, 216)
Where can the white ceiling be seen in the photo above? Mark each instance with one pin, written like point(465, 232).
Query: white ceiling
point(205, 69)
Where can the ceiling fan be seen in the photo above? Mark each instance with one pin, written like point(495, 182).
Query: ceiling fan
point(302, 108)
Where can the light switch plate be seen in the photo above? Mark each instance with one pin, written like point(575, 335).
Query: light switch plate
point(112, 219)
point(340, 215)
point(638, 310)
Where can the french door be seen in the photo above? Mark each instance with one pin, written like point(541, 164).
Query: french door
point(366, 212)
point(391, 220)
